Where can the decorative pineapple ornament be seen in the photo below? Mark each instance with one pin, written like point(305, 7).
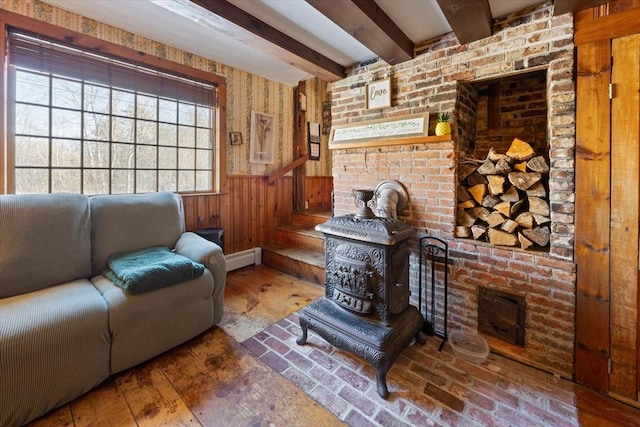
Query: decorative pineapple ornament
point(443, 127)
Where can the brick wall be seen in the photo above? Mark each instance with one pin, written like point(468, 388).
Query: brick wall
point(529, 40)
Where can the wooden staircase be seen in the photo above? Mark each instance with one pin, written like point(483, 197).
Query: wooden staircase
point(299, 248)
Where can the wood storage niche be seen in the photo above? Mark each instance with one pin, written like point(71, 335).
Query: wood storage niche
point(503, 199)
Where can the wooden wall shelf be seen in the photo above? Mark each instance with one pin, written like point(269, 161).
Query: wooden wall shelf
point(386, 142)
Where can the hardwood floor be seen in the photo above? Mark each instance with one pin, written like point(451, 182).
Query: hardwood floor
point(213, 380)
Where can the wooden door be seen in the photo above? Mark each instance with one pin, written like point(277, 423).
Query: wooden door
point(607, 203)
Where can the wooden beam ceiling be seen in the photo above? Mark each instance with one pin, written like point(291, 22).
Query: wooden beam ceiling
point(368, 23)
point(274, 42)
point(469, 20)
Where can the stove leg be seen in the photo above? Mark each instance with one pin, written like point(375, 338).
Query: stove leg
point(303, 338)
point(381, 380)
point(420, 339)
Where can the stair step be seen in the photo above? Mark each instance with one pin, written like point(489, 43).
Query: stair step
point(306, 264)
point(310, 218)
point(299, 236)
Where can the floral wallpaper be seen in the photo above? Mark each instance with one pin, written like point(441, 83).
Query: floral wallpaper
point(246, 92)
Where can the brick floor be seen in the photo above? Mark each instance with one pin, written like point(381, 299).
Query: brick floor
point(426, 387)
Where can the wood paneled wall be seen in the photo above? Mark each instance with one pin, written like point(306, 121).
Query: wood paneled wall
point(249, 212)
point(317, 190)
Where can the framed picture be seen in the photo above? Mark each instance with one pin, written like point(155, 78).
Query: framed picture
point(235, 138)
point(379, 94)
point(262, 138)
point(313, 137)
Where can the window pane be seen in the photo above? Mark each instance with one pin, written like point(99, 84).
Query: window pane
point(186, 181)
point(145, 181)
point(187, 114)
point(122, 156)
point(186, 158)
point(186, 136)
point(167, 158)
point(66, 123)
point(168, 111)
point(31, 151)
point(122, 181)
point(32, 181)
point(122, 129)
point(146, 157)
point(96, 154)
point(203, 138)
point(123, 103)
point(203, 159)
point(97, 126)
point(203, 180)
point(147, 107)
point(66, 93)
point(167, 134)
point(96, 99)
point(65, 153)
point(203, 116)
point(96, 181)
point(32, 88)
point(146, 132)
point(32, 120)
point(65, 181)
point(167, 181)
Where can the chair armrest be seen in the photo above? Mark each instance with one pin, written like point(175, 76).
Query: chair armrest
point(205, 252)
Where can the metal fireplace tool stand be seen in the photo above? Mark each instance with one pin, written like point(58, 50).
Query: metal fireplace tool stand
point(433, 252)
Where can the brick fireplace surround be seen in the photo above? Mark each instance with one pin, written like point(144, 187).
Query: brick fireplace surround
point(530, 40)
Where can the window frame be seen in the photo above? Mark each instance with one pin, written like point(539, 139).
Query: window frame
point(10, 20)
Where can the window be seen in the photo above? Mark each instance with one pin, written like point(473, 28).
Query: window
point(86, 123)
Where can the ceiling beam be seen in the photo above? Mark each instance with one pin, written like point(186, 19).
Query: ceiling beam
point(469, 20)
point(561, 7)
point(367, 22)
point(274, 42)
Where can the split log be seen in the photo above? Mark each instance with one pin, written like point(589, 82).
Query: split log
point(511, 195)
point(520, 150)
point(538, 235)
point(524, 242)
point(541, 219)
point(463, 194)
point(501, 238)
point(461, 231)
point(464, 219)
point(504, 208)
point(537, 190)
point(522, 166)
point(494, 219)
point(509, 226)
point(479, 212)
point(490, 201)
point(464, 170)
point(516, 208)
point(478, 231)
point(503, 167)
point(524, 180)
point(466, 205)
point(496, 184)
point(538, 206)
point(475, 179)
point(538, 164)
point(525, 219)
point(487, 168)
point(478, 192)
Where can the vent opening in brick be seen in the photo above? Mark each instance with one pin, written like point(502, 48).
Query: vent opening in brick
point(501, 315)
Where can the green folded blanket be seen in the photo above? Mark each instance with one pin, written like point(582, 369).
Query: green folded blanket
point(149, 269)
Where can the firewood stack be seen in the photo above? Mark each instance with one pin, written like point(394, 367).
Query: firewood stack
point(503, 199)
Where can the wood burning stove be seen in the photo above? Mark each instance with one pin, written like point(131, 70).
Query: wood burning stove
point(365, 309)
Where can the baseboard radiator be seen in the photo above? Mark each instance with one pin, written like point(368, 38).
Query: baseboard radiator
point(244, 258)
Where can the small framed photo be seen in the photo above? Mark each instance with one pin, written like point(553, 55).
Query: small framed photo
point(313, 137)
point(379, 94)
point(235, 138)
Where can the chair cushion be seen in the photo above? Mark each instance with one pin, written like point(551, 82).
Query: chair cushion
point(45, 240)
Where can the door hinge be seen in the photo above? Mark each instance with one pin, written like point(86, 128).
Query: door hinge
point(610, 90)
point(609, 366)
